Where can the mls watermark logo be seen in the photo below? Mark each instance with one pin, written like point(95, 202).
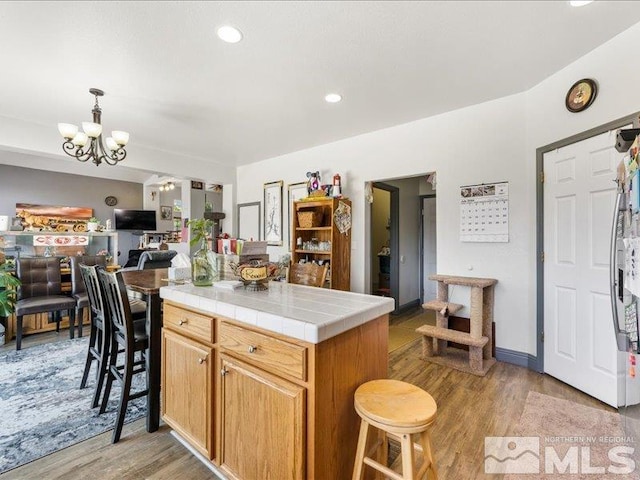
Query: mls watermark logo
point(512, 455)
point(559, 455)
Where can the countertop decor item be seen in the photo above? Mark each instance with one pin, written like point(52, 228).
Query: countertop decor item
point(75, 142)
point(256, 275)
point(203, 262)
point(581, 95)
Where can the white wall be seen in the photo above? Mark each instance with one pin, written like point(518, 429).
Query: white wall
point(494, 141)
point(482, 143)
point(613, 66)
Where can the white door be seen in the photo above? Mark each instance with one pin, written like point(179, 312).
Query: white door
point(579, 195)
point(429, 266)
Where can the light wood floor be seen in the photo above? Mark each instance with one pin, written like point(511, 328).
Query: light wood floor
point(469, 408)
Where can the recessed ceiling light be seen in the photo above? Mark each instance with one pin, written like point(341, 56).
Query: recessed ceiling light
point(579, 3)
point(229, 34)
point(332, 98)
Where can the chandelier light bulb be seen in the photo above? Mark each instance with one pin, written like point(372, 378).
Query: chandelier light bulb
point(111, 144)
point(120, 137)
point(67, 130)
point(171, 186)
point(92, 129)
point(80, 139)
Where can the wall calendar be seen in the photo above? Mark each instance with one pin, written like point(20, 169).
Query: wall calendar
point(484, 212)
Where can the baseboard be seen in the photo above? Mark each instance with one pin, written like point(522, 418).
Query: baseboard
point(216, 472)
point(413, 304)
point(516, 358)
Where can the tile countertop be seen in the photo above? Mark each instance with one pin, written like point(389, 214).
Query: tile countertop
point(305, 313)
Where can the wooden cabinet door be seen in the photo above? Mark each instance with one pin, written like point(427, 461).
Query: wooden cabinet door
point(187, 389)
point(263, 424)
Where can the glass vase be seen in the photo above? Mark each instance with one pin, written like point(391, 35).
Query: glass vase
point(203, 267)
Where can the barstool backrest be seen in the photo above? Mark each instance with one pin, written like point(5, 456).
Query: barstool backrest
point(77, 284)
point(89, 274)
point(118, 308)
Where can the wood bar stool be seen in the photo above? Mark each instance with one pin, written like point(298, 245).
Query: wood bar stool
point(398, 410)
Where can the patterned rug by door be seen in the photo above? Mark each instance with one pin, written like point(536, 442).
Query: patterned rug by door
point(557, 439)
point(42, 408)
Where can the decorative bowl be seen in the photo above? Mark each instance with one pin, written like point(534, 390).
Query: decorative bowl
point(256, 275)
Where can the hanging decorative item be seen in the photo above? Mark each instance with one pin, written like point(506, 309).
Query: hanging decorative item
point(368, 192)
point(581, 95)
point(342, 217)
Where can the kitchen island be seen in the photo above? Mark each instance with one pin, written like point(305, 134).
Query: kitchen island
point(261, 384)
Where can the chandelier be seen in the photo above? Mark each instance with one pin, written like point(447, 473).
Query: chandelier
point(165, 187)
point(75, 141)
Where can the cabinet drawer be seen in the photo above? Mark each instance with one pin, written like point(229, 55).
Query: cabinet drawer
point(188, 323)
point(263, 351)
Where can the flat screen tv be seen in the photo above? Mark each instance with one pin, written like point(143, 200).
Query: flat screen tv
point(137, 220)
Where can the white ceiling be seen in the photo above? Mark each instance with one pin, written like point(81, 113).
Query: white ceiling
point(176, 87)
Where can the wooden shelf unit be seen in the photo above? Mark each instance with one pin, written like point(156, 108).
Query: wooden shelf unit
point(339, 256)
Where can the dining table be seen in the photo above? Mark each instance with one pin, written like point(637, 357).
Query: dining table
point(147, 284)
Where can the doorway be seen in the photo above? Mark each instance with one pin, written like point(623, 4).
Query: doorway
point(385, 212)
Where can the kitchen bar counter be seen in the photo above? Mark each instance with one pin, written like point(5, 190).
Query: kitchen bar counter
point(304, 313)
point(261, 384)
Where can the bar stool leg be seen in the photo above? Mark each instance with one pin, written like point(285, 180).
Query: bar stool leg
point(425, 441)
point(407, 457)
point(358, 468)
point(383, 452)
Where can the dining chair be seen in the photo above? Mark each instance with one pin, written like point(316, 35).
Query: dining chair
point(309, 274)
point(78, 289)
point(41, 292)
point(129, 335)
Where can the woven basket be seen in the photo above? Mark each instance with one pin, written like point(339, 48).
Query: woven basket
point(309, 219)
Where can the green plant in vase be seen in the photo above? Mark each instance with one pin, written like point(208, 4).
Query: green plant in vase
point(203, 262)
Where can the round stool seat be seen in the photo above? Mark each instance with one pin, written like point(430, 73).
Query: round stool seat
point(395, 404)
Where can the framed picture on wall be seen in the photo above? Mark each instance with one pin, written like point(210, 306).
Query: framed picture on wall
point(273, 212)
point(297, 191)
point(166, 212)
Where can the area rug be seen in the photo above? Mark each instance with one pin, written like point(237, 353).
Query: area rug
point(560, 439)
point(42, 410)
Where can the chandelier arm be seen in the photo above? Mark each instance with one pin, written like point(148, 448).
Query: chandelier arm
point(108, 156)
point(79, 154)
point(116, 156)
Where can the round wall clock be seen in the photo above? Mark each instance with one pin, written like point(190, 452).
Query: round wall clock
point(111, 201)
point(581, 95)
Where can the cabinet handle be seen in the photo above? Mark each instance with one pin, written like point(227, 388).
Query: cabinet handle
point(182, 322)
point(202, 360)
point(252, 349)
point(224, 371)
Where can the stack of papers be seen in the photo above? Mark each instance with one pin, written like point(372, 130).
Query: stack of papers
point(228, 284)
